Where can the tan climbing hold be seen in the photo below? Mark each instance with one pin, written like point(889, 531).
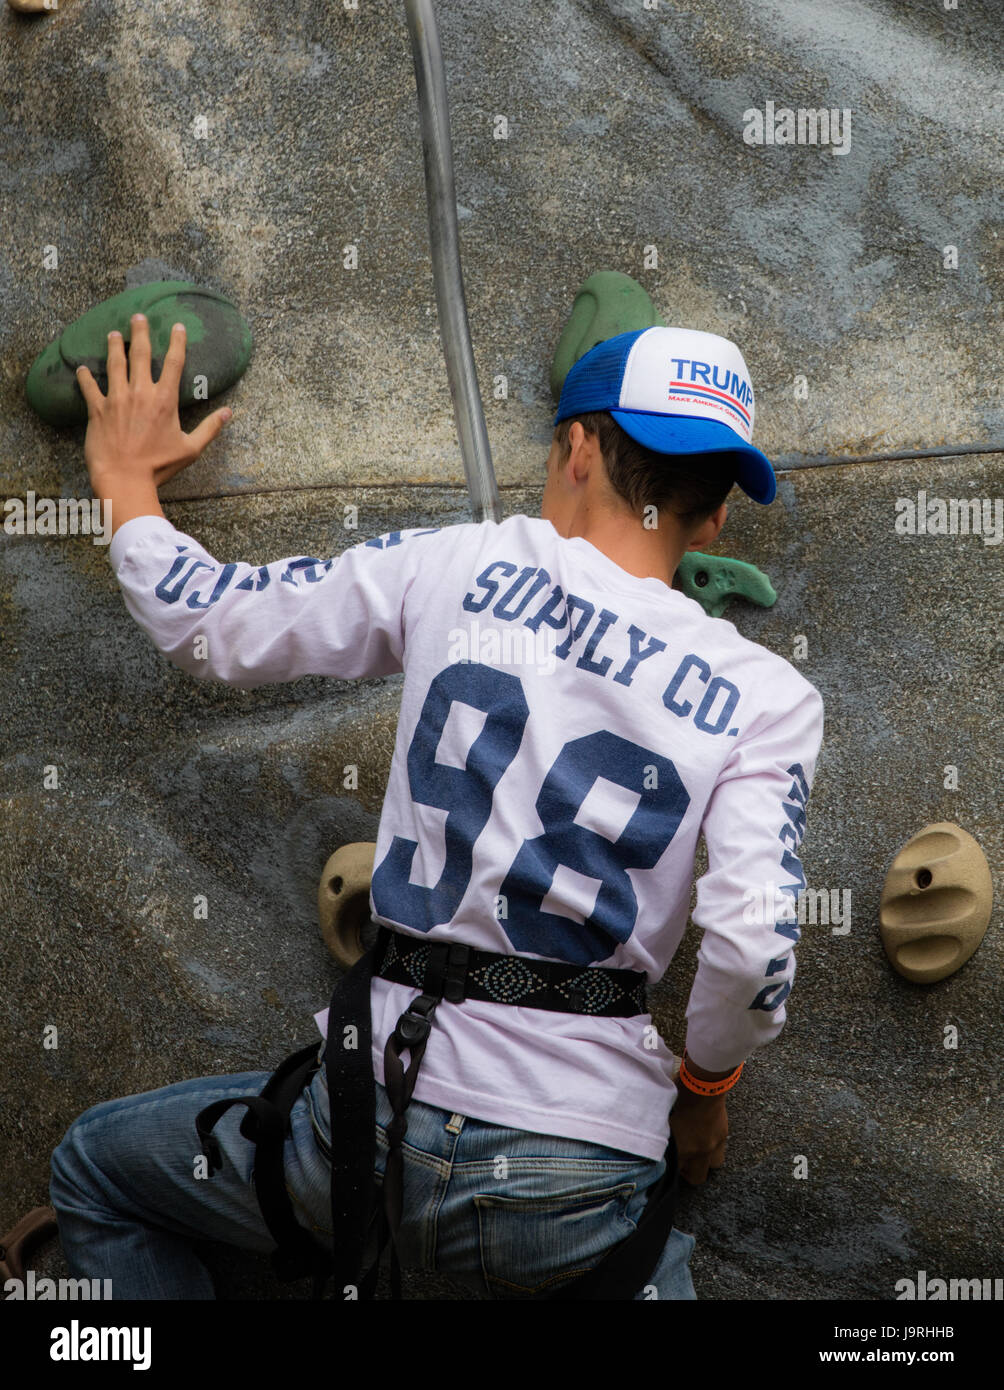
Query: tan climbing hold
point(936, 903)
point(343, 901)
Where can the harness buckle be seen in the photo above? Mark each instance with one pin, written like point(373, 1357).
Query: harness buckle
point(455, 983)
point(415, 1024)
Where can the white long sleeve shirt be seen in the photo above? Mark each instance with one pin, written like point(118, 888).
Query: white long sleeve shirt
point(566, 732)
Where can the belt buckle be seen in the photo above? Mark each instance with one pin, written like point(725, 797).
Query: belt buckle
point(446, 972)
point(455, 983)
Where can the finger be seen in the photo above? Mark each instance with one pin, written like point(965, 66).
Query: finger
point(116, 365)
point(170, 374)
point(208, 430)
point(90, 390)
point(139, 352)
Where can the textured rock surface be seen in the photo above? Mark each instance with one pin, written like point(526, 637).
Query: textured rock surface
point(625, 131)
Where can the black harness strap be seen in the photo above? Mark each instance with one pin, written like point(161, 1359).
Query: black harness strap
point(348, 1061)
point(348, 1065)
point(267, 1124)
point(445, 976)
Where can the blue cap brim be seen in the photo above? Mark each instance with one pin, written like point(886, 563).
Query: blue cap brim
point(689, 434)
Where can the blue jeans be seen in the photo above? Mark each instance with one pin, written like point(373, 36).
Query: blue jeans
point(501, 1211)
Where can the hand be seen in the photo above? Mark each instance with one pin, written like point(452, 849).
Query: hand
point(700, 1127)
point(134, 437)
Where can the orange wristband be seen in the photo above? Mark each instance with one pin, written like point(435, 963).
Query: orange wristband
point(708, 1088)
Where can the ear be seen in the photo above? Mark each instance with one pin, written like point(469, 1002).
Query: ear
point(585, 457)
point(709, 530)
point(576, 438)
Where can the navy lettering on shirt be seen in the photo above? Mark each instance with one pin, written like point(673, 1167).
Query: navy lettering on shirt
point(601, 639)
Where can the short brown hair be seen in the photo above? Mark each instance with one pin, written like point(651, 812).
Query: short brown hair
point(692, 486)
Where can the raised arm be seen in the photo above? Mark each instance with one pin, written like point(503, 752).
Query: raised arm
point(248, 625)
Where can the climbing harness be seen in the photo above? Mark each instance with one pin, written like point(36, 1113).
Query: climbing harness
point(447, 971)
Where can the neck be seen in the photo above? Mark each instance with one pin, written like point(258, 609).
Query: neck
point(647, 553)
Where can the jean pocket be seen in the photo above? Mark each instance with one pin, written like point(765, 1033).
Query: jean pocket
point(531, 1245)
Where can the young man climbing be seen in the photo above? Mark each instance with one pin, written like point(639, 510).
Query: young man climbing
point(534, 858)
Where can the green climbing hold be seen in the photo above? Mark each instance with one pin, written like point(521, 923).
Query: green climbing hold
point(217, 347)
point(713, 579)
point(608, 303)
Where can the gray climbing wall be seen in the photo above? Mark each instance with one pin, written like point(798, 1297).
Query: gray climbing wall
point(252, 147)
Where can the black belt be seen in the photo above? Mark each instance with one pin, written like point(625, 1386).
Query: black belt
point(503, 979)
point(443, 970)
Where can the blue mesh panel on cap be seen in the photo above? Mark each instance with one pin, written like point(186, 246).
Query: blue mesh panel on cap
point(594, 382)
